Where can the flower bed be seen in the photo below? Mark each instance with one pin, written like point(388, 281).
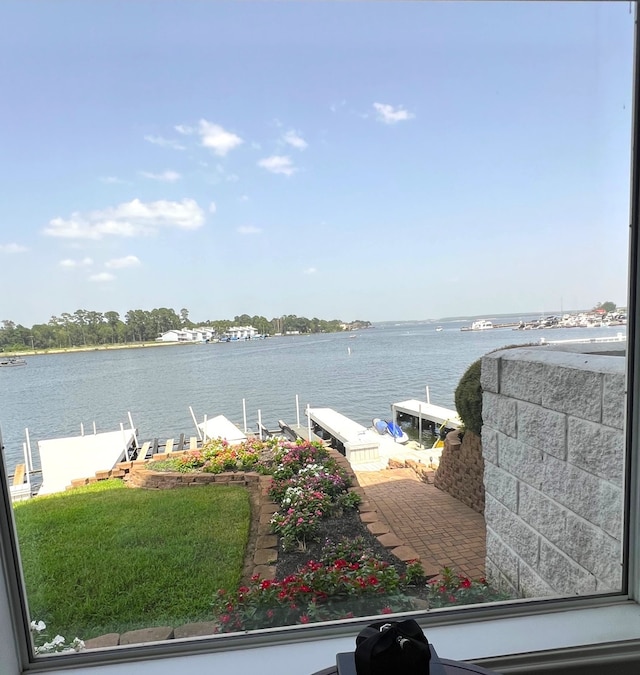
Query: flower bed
point(329, 566)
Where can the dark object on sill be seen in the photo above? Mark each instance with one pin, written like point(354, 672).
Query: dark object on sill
point(392, 647)
point(396, 648)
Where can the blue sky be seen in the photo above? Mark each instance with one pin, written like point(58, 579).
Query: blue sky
point(340, 160)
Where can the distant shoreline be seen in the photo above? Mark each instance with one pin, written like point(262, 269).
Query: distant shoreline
point(93, 348)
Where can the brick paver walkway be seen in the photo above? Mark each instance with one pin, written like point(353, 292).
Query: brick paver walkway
point(442, 530)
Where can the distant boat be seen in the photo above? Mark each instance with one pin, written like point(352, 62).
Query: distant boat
point(12, 362)
point(482, 324)
point(438, 329)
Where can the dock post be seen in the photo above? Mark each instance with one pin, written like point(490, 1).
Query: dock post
point(420, 420)
point(124, 442)
point(30, 464)
point(94, 428)
point(135, 435)
point(428, 397)
point(195, 421)
point(81, 429)
point(244, 414)
point(26, 463)
point(298, 410)
point(204, 430)
point(309, 421)
point(259, 424)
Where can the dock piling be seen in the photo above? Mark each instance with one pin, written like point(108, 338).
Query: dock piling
point(195, 421)
point(244, 414)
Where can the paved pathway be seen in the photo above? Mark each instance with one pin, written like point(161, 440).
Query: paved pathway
point(442, 530)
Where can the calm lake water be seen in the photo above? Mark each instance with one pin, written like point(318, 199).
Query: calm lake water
point(359, 377)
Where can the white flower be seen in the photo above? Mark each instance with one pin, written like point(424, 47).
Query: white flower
point(38, 626)
point(58, 640)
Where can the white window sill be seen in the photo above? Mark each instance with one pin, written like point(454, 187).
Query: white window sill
point(481, 639)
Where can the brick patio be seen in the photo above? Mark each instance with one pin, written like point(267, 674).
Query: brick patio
point(442, 530)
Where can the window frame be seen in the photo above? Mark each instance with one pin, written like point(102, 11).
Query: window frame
point(515, 636)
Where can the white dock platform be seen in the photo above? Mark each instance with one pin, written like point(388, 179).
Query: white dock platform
point(429, 412)
point(64, 459)
point(221, 427)
point(360, 444)
point(365, 448)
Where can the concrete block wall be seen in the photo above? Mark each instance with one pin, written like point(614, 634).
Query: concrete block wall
point(461, 470)
point(553, 448)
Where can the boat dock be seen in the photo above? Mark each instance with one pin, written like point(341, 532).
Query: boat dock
point(66, 459)
point(426, 414)
point(365, 448)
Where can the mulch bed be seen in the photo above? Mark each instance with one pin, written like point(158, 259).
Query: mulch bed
point(348, 526)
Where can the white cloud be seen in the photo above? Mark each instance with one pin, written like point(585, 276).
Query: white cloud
point(216, 138)
point(129, 219)
point(112, 180)
point(184, 129)
point(212, 207)
point(278, 164)
point(389, 115)
point(164, 142)
point(310, 270)
point(12, 248)
point(294, 139)
point(164, 177)
point(249, 229)
point(103, 276)
point(334, 107)
point(120, 263)
point(69, 263)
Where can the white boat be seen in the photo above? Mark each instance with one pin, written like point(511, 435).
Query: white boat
point(482, 324)
point(12, 362)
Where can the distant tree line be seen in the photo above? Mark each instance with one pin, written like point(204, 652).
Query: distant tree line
point(90, 328)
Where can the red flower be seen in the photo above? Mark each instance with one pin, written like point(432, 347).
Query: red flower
point(265, 584)
point(373, 581)
point(225, 618)
point(465, 583)
point(386, 610)
point(304, 618)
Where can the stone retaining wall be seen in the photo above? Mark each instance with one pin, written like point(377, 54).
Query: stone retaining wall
point(461, 470)
point(553, 449)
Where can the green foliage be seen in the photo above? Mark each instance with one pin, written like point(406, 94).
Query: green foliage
point(352, 550)
point(317, 592)
point(90, 328)
point(449, 588)
point(608, 306)
point(106, 558)
point(308, 485)
point(468, 398)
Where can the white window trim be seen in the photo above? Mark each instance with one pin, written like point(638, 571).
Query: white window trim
point(575, 632)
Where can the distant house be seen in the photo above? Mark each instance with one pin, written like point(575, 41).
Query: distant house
point(200, 334)
point(241, 333)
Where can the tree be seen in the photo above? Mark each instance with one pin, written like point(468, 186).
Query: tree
point(608, 306)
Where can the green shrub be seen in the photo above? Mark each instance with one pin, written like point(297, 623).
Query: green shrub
point(468, 398)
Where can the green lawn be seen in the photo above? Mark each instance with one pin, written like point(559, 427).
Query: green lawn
point(108, 558)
